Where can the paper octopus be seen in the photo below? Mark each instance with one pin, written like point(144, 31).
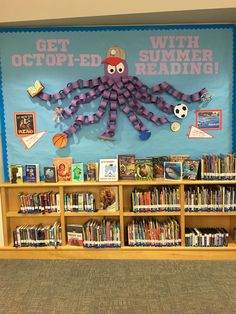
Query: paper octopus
point(117, 90)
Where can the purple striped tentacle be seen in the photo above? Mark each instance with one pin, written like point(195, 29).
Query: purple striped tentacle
point(110, 95)
point(169, 89)
point(136, 122)
point(142, 95)
point(111, 125)
point(141, 110)
point(70, 87)
point(101, 109)
point(45, 96)
point(77, 100)
point(160, 88)
point(163, 105)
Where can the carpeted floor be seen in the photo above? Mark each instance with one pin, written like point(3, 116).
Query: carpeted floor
point(119, 287)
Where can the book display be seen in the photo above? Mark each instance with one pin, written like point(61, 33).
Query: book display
point(50, 174)
point(16, 173)
point(108, 170)
point(77, 171)
point(122, 219)
point(112, 153)
point(92, 171)
point(63, 166)
point(126, 167)
point(32, 173)
point(74, 234)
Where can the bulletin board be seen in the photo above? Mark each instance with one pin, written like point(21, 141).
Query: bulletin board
point(165, 66)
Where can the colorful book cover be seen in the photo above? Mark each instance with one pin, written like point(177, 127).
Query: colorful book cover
point(32, 173)
point(63, 166)
point(143, 169)
point(126, 164)
point(74, 234)
point(173, 170)
point(190, 169)
point(77, 172)
point(108, 170)
point(108, 198)
point(92, 171)
point(50, 174)
point(16, 173)
point(158, 166)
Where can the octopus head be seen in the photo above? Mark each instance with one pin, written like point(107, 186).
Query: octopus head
point(115, 65)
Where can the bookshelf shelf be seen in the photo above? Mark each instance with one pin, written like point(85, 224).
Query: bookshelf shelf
point(125, 215)
point(211, 214)
point(19, 215)
point(132, 214)
point(99, 213)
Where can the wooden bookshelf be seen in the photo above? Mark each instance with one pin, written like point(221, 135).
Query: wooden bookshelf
point(11, 218)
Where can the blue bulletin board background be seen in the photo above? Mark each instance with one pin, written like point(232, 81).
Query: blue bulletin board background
point(19, 71)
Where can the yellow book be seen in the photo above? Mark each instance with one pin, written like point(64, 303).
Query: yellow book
point(35, 89)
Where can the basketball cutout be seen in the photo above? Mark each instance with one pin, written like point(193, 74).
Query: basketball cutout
point(59, 140)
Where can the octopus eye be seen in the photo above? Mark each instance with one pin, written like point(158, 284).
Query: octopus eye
point(111, 69)
point(120, 68)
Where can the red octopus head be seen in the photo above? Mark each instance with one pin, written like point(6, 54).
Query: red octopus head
point(115, 65)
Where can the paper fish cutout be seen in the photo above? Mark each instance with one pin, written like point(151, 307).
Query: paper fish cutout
point(198, 133)
point(36, 89)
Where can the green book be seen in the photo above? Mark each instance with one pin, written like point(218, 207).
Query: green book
point(77, 172)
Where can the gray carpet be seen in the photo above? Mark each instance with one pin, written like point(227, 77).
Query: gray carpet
point(119, 287)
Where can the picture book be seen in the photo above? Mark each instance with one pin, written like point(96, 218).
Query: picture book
point(74, 234)
point(108, 170)
point(173, 170)
point(32, 173)
point(108, 198)
point(16, 173)
point(50, 174)
point(158, 166)
point(92, 171)
point(77, 172)
point(126, 167)
point(143, 169)
point(63, 166)
point(190, 169)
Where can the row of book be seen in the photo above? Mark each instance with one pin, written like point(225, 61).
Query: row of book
point(218, 167)
point(106, 234)
point(102, 234)
point(152, 232)
point(205, 237)
point(37, 235)
point(85, 201)
point(161, 198)
point(214, 198)
point(79, 202)
point(128, 167)
point(124, 167)
point(47, 202)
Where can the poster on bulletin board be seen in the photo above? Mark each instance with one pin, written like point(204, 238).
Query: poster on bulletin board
point(96, 92)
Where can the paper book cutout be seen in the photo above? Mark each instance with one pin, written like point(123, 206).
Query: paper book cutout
point(35, 89)
point(198, 133)
point(30, 140)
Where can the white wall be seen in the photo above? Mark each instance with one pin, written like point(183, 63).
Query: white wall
point(1, 180)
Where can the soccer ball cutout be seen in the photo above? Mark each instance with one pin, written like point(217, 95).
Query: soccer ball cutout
point(181, 111)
